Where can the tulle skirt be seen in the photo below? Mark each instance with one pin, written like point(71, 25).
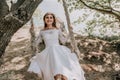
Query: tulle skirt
point(55, 60)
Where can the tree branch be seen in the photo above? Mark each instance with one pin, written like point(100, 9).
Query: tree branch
point(112, 9)
point(96, 3)
point(20, 15)
point(4, 8)
point(109, 23)
point(14, 21)
point(25, 11)
point(102, 10)
point(16, 5)
point(109, 1)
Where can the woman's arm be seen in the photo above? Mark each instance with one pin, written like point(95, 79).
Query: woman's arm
point(63, 37)
point(38, 40)
point(63, 34)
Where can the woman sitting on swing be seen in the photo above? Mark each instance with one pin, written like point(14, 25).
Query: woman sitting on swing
point(55, 62)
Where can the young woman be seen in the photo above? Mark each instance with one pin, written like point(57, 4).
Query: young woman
point(55, 62)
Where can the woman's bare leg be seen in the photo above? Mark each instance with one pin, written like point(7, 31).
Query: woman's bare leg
point(60, 77)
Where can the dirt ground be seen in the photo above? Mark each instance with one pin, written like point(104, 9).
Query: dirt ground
point(15, 62)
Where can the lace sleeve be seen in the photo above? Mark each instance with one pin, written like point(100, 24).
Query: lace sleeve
point(62, 37)
point(38, 39)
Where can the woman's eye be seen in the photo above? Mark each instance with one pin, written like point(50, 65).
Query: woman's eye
point(51, 17)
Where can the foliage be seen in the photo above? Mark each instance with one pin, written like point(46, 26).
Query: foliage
point(105, 19)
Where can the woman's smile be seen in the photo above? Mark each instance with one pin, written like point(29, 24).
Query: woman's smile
point(49, 19)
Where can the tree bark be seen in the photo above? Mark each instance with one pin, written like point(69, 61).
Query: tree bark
point(16, 5)
point(4, 9)
point(6, 31)
point(73, 43)
point(111, 11)
point(14, 20)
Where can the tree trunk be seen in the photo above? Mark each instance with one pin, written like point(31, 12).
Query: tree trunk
point(73, 43)
point(9, 28)
point(4, 9)
point(13, 21)
point(15, 6)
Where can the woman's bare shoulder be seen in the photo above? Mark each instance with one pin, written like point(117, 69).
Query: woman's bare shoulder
point(44, 29)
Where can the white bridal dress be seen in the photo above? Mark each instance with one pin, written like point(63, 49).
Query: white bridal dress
point(55, 58)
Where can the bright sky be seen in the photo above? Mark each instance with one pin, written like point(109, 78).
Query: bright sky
point(52, 6)
point(58, 10)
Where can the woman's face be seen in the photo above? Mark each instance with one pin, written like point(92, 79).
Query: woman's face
point(49, 19)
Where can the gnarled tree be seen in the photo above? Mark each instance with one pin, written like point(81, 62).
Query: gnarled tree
point(104, 6)
point(13, 19)
point(107, 13)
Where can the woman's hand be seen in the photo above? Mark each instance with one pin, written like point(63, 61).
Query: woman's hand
point(71, 27)
point(59, 20)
